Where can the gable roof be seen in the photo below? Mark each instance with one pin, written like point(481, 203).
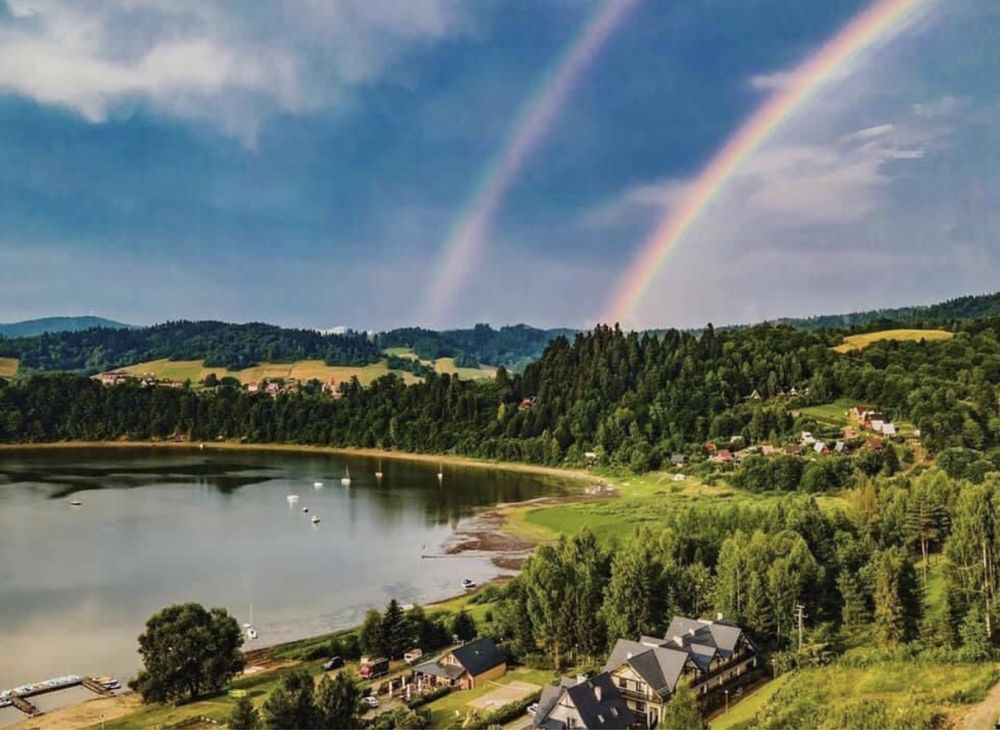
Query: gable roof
point(479, 656)
point(597, 701)
point(659, 665)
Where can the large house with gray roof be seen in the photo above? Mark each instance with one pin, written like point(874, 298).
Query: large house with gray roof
point(593, 703)
point(706, 654)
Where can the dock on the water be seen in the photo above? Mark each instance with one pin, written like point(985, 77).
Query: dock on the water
point(24, 706)
point(95, 686)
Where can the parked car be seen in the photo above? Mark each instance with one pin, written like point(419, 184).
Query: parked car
point(373, 668)
point(532, 709)
point(412, 655)
point(370, 701)
point(333, 663)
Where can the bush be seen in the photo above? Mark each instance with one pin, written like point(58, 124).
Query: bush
point(429, 697)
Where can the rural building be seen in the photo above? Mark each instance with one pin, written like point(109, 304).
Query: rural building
point(821, 448)
point(466, 667)
point(888, 429)
point(708, 655)
point(724, 456)
point(678, 459)
point(808, 439)
point(841, 448)
point(582, 703)
point(115, 378)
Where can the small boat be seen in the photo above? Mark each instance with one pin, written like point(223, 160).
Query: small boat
point(468, 584)
point(75, 502)
point(305, 509)
point(378, 474)
point(292, 498)
point(248, 628)
point(315, 519)
point(317, 485)
point(440, 472)
point(346, 479)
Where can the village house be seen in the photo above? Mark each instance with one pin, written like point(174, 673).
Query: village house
point(465, 667)
point(841, 448)
point(724, 456)
point(708, 655)
point(253, 387)
point(888, 429)
point(807, 439)
point(115, 378)
point(821, 448)
point(593, 703)
point(678, 459)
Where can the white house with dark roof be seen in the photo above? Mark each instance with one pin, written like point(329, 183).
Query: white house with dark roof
point(705, 654)
point(593, 703)
point(466, 666)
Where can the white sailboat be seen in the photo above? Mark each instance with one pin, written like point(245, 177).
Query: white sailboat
point(317, 485)
point(346, 479)
point(440, 472)
point(248, 628)
point(292, 499)
point(315, 520)
point(378, 474)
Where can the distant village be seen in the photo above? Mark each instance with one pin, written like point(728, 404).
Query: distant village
point(268, 386)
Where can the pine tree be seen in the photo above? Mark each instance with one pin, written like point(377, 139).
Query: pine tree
point(372, 635)
point(397, 630)
point(337, 702)
point(897, 598)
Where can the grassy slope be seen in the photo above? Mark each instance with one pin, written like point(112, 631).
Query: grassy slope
point(195, 371)
point(858, 342)
point(8, 367)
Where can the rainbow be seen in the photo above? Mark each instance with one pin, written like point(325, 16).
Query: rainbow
point(862, 31)
point(532, 123)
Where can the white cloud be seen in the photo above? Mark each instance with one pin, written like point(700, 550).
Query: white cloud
point(231, 64)
point(772, 81)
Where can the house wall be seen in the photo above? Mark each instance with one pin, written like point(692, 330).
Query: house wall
point(498, 671)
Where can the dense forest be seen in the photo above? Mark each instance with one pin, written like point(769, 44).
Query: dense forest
point(633, 399)
point(34, 327)
point(512, 347)
point(220, 344)
point(976, 306)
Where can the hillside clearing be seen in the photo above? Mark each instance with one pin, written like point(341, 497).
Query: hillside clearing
point(859, 342)
point(8, 367)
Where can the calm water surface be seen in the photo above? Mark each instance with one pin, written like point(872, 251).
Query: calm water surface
point(160, 526)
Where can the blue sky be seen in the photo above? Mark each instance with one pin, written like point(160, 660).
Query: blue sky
point(303, 163)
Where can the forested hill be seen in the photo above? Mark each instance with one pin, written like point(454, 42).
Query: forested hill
point(34, 327)
point(513, 346)
point(220, 344)
point(633, 399)
point(942, 314)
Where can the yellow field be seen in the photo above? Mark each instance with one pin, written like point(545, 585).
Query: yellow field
point(447, 365)
point(8, 367)
point(859, 342)
point(195, 371)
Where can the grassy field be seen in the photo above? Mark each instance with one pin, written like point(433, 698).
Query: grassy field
point(830, 415)
point(444, 364)
point(913, 693)
point(8, 367)
point(858, 342)
point(743, 711)
point(195, 371)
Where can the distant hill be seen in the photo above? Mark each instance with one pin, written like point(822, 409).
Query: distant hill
point(219, 344)
point(971, 307)
point(511, 346)
point(34, 327)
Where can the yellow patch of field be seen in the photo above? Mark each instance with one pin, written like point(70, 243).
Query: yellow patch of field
point(859, 342)
point(447, 365)
point(8, 367)
point(196, 371)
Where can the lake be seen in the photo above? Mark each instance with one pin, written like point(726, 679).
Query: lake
point(161, 526)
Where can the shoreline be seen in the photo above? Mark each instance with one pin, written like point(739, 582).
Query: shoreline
point(581, 475)
point(484, 533)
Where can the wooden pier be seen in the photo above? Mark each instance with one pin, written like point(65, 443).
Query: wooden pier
point(95, 686)
point(24, 706)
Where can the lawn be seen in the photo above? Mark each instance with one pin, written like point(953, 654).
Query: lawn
point(443, 710)
point(743, 711)
point(447, 365)
point(830, 415)
point(859, 342)
point(8, 367)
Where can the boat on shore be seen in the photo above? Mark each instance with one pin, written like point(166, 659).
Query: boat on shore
point(468, 584)
point(317, 485)
point(315, 520)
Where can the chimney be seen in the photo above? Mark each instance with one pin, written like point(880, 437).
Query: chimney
point(679, 640)
point(691, 632)
point(597, 692)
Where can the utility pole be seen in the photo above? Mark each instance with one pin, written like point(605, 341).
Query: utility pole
point(800, 614)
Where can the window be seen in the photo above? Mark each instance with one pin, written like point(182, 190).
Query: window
point(623, 683)
point(640, 688)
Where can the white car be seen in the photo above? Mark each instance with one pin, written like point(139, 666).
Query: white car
point(370, 701)
point(532, 709)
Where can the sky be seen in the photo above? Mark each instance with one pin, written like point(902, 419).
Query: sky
point(310, 163)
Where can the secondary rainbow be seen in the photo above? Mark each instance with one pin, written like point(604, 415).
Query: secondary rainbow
point(868, 26)
point(537, 114)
